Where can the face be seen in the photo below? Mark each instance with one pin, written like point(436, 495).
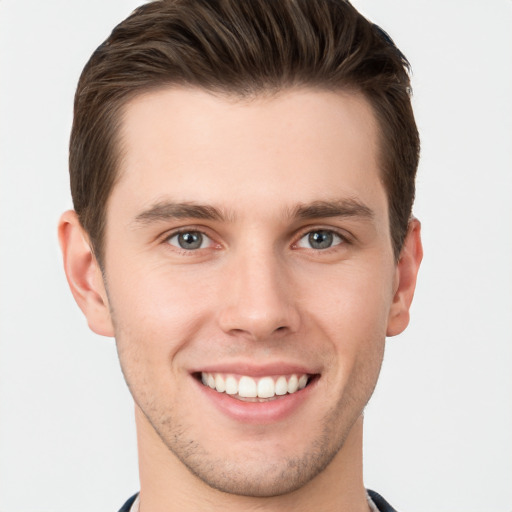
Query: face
point(250, 279)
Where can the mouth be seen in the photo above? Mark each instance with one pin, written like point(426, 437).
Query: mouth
point(251, 389)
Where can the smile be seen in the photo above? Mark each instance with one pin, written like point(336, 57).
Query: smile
point(251, 389)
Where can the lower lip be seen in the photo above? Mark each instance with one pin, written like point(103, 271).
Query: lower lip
point(257, 412)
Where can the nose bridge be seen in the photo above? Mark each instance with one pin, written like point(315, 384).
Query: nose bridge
point(258, 298)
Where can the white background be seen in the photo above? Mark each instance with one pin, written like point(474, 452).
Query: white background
point(439, 428)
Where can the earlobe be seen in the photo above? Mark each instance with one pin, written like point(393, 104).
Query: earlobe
point(84, 274)
point(406, 274)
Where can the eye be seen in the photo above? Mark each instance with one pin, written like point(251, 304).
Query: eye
point(189, 240)
point(320, 239)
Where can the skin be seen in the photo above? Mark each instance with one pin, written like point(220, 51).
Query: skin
point(256, 293)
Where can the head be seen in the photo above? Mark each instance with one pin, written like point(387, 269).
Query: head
point(243, 175)
point(243, 50)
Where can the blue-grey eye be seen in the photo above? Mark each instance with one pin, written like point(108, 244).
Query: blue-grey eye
point(320, 239)
point(189, 240)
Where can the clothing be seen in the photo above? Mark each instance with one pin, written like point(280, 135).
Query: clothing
point(381, 504)
point(128, 505)
point(374, 500)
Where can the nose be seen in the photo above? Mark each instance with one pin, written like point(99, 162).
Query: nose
point(258, 299)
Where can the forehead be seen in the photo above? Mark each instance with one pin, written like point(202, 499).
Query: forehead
point(279, 150)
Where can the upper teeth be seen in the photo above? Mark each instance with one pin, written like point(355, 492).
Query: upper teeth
point(248, 387)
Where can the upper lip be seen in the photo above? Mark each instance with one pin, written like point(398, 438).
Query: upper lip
point(253, 370)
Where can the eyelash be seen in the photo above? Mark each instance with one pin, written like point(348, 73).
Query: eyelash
point(343, 239)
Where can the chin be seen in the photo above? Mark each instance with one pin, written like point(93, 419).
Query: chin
point(258, 471)
point(261, 479)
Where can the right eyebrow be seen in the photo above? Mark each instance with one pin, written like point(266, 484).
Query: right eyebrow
point(167, 210)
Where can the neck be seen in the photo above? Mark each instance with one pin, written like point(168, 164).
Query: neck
point(167, 485)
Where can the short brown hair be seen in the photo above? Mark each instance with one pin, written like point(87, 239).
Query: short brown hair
point(240, 47)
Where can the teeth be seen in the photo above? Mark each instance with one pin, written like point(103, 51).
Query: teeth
point(266, 388)
point(247, 387)
point(293, 384)
point(282, 386)
point(231, 386)
point(220, 385)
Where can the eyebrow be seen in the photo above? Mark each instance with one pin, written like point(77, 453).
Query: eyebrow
point(168, 210)
point(339, 208)
point(164, 211)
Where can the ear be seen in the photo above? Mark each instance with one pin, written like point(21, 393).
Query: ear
point(84, 274)
point(405, 279)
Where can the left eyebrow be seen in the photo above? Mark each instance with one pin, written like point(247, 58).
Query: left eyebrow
point(340, 208)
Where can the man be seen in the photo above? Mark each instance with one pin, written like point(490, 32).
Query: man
point(243, 177)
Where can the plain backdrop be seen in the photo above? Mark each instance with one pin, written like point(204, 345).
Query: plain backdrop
point(439, 427)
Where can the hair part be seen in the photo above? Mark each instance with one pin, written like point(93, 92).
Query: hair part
point(241, 48)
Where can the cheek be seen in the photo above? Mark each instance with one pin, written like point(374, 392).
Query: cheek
point(155, 313)
point(357, 321)
point(353, 300)
point(152, 323)
point(352, 314)
point(156, 296)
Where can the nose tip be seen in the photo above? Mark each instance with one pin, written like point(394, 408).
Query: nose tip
point(259, 303)
point(256, 324)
